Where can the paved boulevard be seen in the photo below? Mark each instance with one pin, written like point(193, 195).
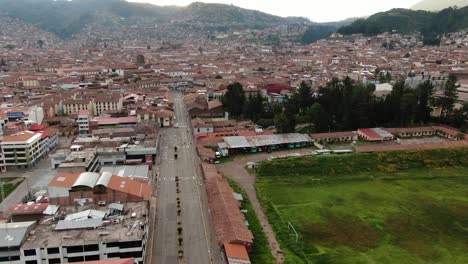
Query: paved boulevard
point(198, 244)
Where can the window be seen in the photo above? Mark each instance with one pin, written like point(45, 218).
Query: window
point(55, 261)
point(53, 250)
point(113, 244)
point(135, 254)
point(2, 259)
point(76, 259)
point(74, 249)
point(92, 257)
point(113, 255)
point(93, 247)
point(30, 252)
point(130, 244)
point(31, 262)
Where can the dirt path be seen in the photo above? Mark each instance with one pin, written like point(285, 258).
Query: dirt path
point(236, 171)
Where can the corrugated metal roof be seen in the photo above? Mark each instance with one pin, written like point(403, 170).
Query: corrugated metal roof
point(51, 209)
point(104, 179)
point(87, 214)
point(116, 206)
point(87, 179)
point(13, 234)
point(127, 170)
point(268, 140)
point(84, 215)
point(237, 142)
point(70, 224)
point(265, 140)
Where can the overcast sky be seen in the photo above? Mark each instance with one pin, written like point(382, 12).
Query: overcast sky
point(316, 10)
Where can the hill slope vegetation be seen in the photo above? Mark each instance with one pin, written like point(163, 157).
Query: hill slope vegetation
point(66, 18)
point(437, 5)
point(408, 21)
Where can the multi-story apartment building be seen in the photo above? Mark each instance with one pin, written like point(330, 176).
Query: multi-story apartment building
point(112, 102)
point(30, 81)
point(77, 234)
point(74, 106)
point(49, 140)
point(83, 123)
point(2, 161)
point(22, 149)
point(95, 106)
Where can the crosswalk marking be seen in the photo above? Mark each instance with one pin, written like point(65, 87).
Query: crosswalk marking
point(180, 178)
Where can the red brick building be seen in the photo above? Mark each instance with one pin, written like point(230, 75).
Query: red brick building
point(90, 187)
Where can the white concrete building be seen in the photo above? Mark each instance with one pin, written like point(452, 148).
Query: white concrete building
point(23, 149)
point(48, 142)
point(35, 115)
point(13, 235)
point(111, 232)
point(83, 123)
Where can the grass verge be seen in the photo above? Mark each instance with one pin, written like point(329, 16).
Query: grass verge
point(10, 185)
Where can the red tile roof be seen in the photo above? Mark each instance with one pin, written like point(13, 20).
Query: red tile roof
point(228, 221)
point(369, 132)
point(397, 130)
point(334, 134)
point(130, 186)
point(117, 183)
point(236, 251)
point(447, 130)
point(64, 179)
point(37, 127)
point(19, 137)
point(83, 112)
point(44, 134)
point(33, 208)
point(117, 120)
point(205, 152)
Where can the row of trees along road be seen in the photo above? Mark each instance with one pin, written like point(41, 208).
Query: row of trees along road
point(347, 105)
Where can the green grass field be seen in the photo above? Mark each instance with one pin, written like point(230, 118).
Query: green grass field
point(8, 187)
point(395, 207)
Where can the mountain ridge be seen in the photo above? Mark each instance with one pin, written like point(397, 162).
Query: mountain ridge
point(67, 18)
point(437, 5)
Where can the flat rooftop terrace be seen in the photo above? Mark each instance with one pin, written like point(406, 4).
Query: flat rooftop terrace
point(129, 225)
